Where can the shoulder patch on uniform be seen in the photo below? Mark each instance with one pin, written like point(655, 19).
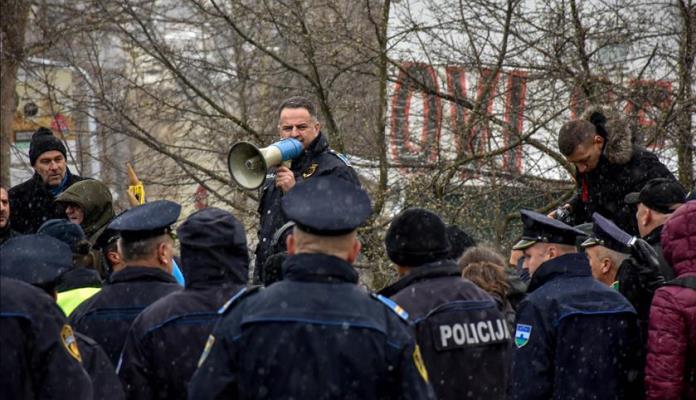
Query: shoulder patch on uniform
point(206, 350)
point(68, 338)
point(392, 306)
point(522, 334)
point(238, 296)
point(340, 156)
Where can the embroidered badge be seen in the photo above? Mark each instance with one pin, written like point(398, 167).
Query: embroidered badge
point(68, 338)
point(522, 334)
point(420, 366)
point(310, 171)
point(206, 350)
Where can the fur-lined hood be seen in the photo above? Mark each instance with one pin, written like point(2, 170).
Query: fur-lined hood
point(619, 141)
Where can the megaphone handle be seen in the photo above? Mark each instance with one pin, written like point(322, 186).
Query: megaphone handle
point(287, 163)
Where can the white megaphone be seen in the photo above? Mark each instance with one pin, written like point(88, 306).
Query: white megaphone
point(248, 164)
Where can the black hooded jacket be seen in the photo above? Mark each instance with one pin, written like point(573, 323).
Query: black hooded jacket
point(623, 168)
point(167, 339)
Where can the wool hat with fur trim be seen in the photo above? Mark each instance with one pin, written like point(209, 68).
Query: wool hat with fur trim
point(42, 141)
point(417, 237)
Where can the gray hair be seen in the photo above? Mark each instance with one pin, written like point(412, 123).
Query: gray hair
point(298, 102)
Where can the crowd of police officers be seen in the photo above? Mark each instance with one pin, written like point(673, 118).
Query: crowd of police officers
point(304, 328)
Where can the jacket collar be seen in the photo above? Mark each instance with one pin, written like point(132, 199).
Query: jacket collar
point(137, 273)
point(319, 145)
point(318, 268)
point(565, 266)
point(432, 270)
point(654, 236)
point(39, 184)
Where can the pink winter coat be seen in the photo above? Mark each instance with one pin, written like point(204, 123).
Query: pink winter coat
point(671, 364)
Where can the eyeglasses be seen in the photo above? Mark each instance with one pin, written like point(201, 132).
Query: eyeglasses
point(303, 127)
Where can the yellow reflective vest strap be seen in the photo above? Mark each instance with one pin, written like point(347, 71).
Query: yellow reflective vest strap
point(70, 299)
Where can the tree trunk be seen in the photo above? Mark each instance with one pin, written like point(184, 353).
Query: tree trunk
point(685, 97)
point(13, 20)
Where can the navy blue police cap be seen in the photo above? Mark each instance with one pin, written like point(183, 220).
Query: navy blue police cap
point(606, 233)
point(36, 259)
point(147, 220)
point(327, 206)
point(540, 228)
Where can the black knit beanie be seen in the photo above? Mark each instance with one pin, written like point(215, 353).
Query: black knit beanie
point(42, 141)
point(416, 237)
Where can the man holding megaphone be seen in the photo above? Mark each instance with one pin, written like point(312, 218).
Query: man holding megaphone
point(298, 120)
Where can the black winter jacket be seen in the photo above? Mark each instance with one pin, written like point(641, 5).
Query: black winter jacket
point(172, 331)
point(39, 359)
point(461, 332)
point(6, 234)
point(317, 160)
point(606, 186)
point(32, 204)
point(315, 334)
point(623, 168)
point(107, 316)
point(575, 338)
point(105, 382)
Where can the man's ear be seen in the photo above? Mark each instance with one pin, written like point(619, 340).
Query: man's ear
point(606, 265)
point(354, 251)
point(290, 244)
point(598, 139)
point(114, 257)
point(162, 253)
point(648, 217)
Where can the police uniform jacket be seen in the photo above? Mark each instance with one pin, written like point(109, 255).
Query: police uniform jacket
point(575, 337)
point(166, 340)
point(460, 331)
point(317, 160)
point(105, 382)
point(313, 335)
point(40, 359)
point(32, 203)
point(107, 316)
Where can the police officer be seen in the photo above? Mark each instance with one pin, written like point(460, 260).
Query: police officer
point(39, 357)
point(638, 274)
point(147, 247)
point(48, 259)
point(575, 338)
point(297, 118)
point(459, 328)
point(166, 340)
point(605, 251)
point(316, 333)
